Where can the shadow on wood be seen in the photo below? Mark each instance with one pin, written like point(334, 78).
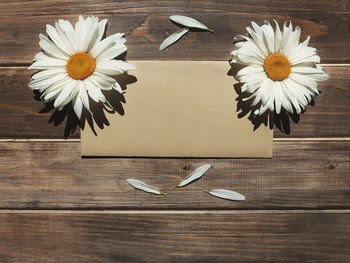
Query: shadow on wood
point(114, 104)
point(271, 118)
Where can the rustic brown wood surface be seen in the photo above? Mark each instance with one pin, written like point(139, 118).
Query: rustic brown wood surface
point(57, 207)
point(172, 236)
point(21, 117)
point(146, 24)
point(43, 175)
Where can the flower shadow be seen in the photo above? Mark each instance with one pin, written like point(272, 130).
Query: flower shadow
point(269, 118)
point(114, 104)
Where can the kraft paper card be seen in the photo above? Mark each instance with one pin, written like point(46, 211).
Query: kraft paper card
point(179, 109)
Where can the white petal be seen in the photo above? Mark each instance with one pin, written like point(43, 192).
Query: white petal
point(104, 82)
point(113, 67)
point(267, 105)
point(288, 98)
point(305, 80)
point(251, 49)
point(91, 90)
point(42, 84)
point(285, 35)
point(257, 96)
point(173, 38)
point(263, 93)
point(277, 93)
point(89, 30)
point(285, 101)
point(78, 106)
point(107, 68)
point(249, 71)
point(67, 94)
point(100, 85)
point(315, 73)
point(123, 65)
point(94, 91)
point(111, 53)
point(292, 42)
point(56, 38)
point(101, 29)
point(244, 87)
point(278, 38)
point(67, 33)
point(304, 95)
point(257, 38)
point(47, 73)
point(306, 70)
point(50, 95)
point(41, 55)
point(105, 44)
point(47, 63)
point(269, 37)
point(304, 55)
point(226, 194)
point(117, 87)
point(195, 175)
point(144, 187)
point(102, 98)
point(49, 47)
point(52, 92)
point(306, 41)
point(290, 93)
point(83, 95)
point(265, 88)
point(253, 80)
point(239, 38)
point(189, 22)
point(248, 59)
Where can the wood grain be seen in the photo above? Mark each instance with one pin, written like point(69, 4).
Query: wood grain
point(146, 24)
point(20, 117)
point(109, 221)
point(52, 175)
point(212, 236)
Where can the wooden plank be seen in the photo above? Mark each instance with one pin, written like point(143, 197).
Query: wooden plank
point(23, 116)
point(146, 25)
point(46, 175)
point(212, 236)
point(20, 117)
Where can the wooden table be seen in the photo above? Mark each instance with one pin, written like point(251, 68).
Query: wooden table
point(57, 207)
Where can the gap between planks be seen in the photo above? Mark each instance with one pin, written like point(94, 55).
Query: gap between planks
point(330, 139)
point(175, 212)
point(26, 65)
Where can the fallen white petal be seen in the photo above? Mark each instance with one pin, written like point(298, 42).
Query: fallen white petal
point(195, 175)
point(226, 194)
point(173, 38)
point(144, 187)
point(189, 22)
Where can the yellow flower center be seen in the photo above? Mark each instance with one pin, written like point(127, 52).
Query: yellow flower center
point(80, 65)
point(277, 67)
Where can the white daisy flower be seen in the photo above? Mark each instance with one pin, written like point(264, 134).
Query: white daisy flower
point(75, 63)
point(280, 72)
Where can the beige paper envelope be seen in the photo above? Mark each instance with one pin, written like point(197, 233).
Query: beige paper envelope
point(179, 109)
